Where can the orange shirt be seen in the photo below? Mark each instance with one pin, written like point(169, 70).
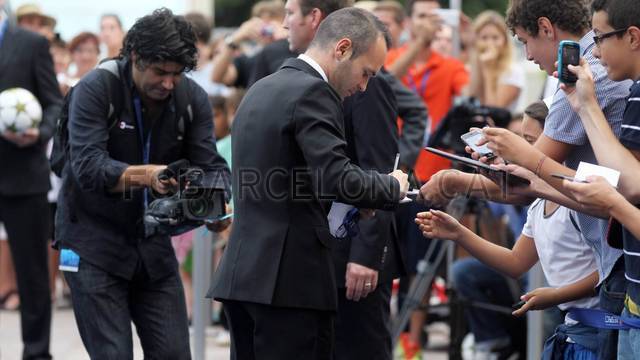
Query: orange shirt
point(437, 81)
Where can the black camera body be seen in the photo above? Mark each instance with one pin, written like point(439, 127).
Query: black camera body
point(195, 203)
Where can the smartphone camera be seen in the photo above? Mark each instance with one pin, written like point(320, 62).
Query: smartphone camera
point(568, 54)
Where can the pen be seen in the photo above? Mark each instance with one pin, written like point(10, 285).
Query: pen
point(395, 165)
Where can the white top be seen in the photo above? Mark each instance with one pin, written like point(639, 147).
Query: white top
point(314, 65)
point(202, 77)
point(514, 77)
point(564, 255)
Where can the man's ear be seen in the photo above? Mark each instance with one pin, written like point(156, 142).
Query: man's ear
point(343, 49)
point(316, 18)
point(634, 37)
point(545, 28)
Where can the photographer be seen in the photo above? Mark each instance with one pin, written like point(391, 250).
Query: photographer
point(121, 273)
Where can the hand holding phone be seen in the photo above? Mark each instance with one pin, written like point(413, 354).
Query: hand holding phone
point(472, 138)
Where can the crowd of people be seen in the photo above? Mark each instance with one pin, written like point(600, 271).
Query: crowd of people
point(312, 117)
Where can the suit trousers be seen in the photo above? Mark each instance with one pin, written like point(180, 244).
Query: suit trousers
point(264, 332)
point(27, 222)
point(362, 327)
point(105, 305)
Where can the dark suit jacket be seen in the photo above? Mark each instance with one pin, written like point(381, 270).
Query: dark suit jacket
point(372, 138)
point(25, 62)
point(289, 161)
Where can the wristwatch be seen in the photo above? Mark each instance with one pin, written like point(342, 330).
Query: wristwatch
point(228, 40)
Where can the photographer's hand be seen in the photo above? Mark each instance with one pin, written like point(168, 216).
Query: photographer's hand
point(160, 186)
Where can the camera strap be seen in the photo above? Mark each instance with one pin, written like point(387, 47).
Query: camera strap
point(146, 143)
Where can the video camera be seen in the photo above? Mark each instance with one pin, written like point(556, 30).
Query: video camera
point(466, 113)
point(195, 202)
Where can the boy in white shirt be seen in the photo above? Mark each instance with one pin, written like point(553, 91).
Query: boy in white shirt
point(551, 236)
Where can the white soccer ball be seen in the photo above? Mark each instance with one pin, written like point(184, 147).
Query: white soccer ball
point(19, 110)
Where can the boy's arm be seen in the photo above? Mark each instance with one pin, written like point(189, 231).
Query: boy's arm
point(606, 146)
point(514, 263)
point(543, 298)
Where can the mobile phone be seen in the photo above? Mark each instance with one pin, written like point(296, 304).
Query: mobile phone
point(568, 54)
point(518, 305)
point(471, 138)
point(565, 177)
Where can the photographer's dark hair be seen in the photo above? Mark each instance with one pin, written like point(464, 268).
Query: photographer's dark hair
point(325, 6)
point(537, 111)
point(569, 15)
point(161, 37)
point(621, 13)
point(359, 26)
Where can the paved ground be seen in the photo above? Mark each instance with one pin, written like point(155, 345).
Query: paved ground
point(66, 343)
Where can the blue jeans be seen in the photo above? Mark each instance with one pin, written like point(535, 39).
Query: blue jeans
point(612, 294)
point(105, 305)
point(629, 341)
point(477, 282)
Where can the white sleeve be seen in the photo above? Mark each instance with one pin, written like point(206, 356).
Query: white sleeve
point(528, 228)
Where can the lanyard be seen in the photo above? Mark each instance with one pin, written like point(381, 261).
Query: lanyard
point(423, 83)
point(146, 143)
point(3, 29)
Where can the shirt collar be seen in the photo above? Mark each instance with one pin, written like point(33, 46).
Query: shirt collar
point(314, 65)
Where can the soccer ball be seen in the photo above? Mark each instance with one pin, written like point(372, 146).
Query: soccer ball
point(19, 110)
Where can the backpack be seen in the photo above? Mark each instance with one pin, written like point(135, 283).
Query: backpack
point(110, 75)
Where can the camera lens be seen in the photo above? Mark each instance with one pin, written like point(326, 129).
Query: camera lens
point(198, 207)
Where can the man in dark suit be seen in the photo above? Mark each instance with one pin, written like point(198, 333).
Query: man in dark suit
point(25, 62)
point(276, 278)
point(362, 324)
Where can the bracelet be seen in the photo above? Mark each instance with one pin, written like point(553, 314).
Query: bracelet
point(539, 167)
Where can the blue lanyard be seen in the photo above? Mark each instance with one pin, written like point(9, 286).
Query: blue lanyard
point(423, 83)
point(3, 29)
point(146, 143)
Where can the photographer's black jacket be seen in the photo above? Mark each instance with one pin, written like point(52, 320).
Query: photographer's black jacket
point(106, 229)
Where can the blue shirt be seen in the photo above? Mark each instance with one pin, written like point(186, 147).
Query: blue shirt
point(564, 125)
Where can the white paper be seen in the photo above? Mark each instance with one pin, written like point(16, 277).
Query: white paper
point(336, 216)
point(585, 170)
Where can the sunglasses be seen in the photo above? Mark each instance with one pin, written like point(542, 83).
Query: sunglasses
point(598, 38)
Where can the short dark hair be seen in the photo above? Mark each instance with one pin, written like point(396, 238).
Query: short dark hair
point(325, 6)
point(410, 4)
point(358, 25)
point(621, 14)
point(599, 5)
point(161, 37)
point(569, 15)
point(538, 111)
point(201, 26)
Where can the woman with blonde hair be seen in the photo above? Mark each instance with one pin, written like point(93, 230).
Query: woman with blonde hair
point(495, 78)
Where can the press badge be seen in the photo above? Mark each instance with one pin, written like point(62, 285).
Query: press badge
point(69, 260)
